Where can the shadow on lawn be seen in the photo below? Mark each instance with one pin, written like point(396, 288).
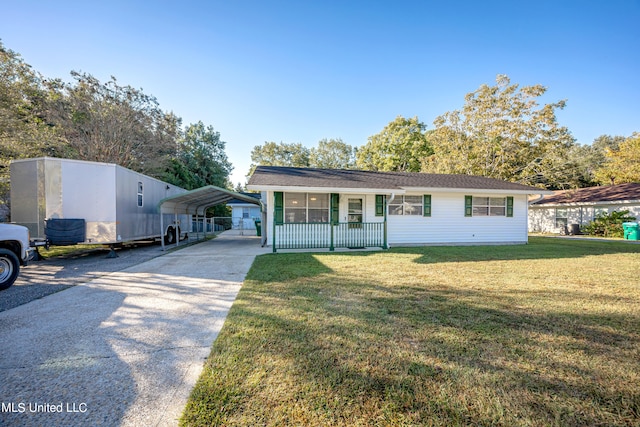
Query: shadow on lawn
point(538, 248)
point(422, 354)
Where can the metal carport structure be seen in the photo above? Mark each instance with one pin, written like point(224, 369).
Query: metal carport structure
point(196, 202)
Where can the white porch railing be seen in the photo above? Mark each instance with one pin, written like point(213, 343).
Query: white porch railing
point(329, 236)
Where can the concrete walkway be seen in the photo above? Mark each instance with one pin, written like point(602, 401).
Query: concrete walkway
point(125, 349)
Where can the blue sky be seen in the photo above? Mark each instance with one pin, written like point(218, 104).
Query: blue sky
point(300, 71)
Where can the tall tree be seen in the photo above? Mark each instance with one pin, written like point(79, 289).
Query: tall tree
point(24, 129)
point(401, 146)
point(282, 154)
point(502, 132)
point(332, 154)
point(590, 158)
point(106, 122)
point(622, 164)
point(200, 160)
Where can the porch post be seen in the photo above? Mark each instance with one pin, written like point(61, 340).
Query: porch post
point(384, 226)
point(274, 236)
point(331, 247)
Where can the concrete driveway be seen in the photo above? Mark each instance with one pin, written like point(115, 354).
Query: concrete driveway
point(125, 349)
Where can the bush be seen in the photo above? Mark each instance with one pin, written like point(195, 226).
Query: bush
point(608, 224)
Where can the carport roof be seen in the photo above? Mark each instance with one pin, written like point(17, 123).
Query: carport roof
point(196, 202)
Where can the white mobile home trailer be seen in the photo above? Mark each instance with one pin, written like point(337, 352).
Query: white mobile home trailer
point(70, 201)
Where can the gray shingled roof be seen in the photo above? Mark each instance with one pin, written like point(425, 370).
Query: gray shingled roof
point(277, 176)
point(608, 193)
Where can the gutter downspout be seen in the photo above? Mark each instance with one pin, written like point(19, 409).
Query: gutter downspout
point(263, 217)
point(540, 197)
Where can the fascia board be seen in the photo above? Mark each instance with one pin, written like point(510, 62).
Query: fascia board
point(297, 189)
point(472, 190)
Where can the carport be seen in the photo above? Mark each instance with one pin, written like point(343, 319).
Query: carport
point(196, 202)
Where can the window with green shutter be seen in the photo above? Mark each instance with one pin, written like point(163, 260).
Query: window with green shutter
point(426, 210)
point(468, 205)
point(509, 206)
point(380, 199)
point(278, 207)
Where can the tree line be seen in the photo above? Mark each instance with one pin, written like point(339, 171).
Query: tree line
point(103, 122)
point(501, 131)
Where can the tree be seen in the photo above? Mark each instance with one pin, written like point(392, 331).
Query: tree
point(24, 129)
point(501, 132)
point(621, 164)
point(106, 122)
point(332, 154)
point(589, 158)
point(273, 154)
point(200, 159)
point(401, 146)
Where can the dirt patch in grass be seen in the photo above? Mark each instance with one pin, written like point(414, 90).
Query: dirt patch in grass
point(542, 334)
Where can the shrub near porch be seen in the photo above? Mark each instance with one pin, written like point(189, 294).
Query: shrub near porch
point(542, 334)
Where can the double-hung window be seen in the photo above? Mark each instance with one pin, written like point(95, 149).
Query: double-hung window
point(561, 217)
point(488, 206)
point(306, 207)
point(406, 205)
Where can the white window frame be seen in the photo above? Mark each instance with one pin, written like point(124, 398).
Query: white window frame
point(564, 219)
point(306, 207)
point(488, 206)
point(400, 206)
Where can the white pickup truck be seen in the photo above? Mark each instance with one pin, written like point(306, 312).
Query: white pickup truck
point(15, 250)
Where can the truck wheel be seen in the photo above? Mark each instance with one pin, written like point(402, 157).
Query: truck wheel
point(170, 237)
point(9, 268)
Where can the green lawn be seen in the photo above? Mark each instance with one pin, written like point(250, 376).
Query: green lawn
point(546, 334)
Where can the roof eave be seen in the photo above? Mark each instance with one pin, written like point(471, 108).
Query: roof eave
point(344, 190)
point(476, 190)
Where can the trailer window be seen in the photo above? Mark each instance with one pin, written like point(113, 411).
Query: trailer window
point(140, 193)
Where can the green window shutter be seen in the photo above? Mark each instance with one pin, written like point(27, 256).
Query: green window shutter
point(426, 202)
point(468, 205)
point(380, 204)
point(278, 207)
point(510, 206)
point(335, 208)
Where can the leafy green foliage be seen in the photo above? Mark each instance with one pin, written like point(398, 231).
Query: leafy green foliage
point(401, 146)
point(282, 154)
point(104, 122)
point(502, 132)
point(332, 154)
point(24, 128)
point(200, 159)
point(622, 163)
point(107, 122)
point(329, 154)
point(608, 224)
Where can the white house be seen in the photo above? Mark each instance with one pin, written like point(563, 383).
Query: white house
point(327, 208)
point(553, 213)
point(244, 214)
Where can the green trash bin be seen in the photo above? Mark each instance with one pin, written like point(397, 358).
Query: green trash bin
point(631, 231)
point(258, 227)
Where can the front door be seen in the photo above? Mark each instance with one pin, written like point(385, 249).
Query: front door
point(355, 237)
point(354, 217)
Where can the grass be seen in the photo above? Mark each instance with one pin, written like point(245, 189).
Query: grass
point(546, 334)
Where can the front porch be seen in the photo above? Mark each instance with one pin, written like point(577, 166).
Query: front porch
point(349, 235)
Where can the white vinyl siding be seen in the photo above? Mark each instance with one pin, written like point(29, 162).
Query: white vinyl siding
point(542, 219)
point(448, 224)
